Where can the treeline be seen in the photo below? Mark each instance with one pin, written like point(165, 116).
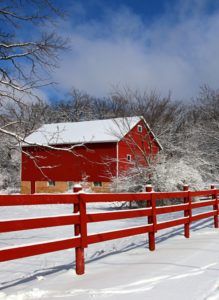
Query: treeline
point(188, 132)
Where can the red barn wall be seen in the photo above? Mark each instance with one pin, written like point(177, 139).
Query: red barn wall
point(60, 165)
point(131, 143)
point(95, 161)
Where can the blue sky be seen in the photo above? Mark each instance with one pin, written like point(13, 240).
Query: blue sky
point(167, 46)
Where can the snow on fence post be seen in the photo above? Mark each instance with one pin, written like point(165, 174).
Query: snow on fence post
point(79, 251)
point(215, 206)
point(187, 212)
point(151, 219)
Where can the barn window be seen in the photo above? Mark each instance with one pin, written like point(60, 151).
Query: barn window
point(97, 183)
point(51, 183)
point(129, 157)
point(140, 128)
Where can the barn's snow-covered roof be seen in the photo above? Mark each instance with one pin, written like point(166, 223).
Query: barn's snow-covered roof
point(110, 130)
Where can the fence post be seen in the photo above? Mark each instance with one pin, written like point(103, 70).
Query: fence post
point(215, 206)
point(79, 251)
point(151, 219)
point(187, 212)
point(76, 189)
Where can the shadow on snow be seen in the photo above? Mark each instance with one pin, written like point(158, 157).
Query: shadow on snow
point(102, 254)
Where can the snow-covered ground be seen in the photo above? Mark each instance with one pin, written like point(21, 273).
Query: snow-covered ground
point(120, 269)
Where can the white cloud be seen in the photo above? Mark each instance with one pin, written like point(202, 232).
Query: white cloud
point(177, 56)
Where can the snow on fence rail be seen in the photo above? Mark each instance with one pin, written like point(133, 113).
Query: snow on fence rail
point(80, 218)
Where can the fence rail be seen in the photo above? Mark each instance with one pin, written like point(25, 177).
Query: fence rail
point(80, 218)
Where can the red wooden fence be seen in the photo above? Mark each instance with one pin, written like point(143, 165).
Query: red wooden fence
point(80, 218)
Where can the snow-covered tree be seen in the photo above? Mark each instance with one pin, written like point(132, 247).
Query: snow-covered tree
point(189, 137)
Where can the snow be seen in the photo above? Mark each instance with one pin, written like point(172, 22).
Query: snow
point(110, 130)
point(119, 269)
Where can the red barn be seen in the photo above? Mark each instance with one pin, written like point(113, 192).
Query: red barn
point(56, 156)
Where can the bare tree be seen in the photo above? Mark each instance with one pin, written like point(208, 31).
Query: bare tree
point(160, 112)
point(25, 59)
point(28, 53)
point(206, 112)
point(205, 118)
point(77, 106)
point(188, 134)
